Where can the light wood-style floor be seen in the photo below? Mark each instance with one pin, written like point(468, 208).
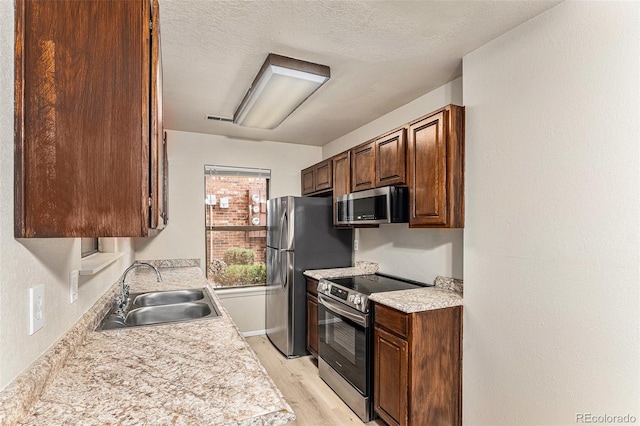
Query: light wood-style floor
point(314, 403)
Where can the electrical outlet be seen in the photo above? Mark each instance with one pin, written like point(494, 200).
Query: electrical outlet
point(73, 285)
point(355, 245)
point(36, 308)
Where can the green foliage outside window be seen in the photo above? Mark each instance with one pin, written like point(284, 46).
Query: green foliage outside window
point(239, 256)
point(240, 269)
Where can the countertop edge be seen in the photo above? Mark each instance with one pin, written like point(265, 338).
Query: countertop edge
point(361, 268)
point(418, 300)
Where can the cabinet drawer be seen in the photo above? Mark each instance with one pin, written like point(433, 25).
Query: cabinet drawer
point(392, 320)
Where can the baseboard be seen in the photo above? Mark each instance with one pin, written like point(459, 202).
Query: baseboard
point(253, 333)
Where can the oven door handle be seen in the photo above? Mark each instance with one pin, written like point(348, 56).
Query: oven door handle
point(360, 319)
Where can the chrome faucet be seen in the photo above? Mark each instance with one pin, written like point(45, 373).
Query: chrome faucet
point(122, 300)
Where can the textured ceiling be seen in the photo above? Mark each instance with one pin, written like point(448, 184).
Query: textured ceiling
point(382, 54)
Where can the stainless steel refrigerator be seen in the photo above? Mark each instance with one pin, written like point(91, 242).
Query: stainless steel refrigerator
point(300, 236)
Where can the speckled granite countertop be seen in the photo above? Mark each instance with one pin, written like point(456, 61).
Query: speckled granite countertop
point(447, 291)
point(201, 372)
point(361, 268)
point(444, 295)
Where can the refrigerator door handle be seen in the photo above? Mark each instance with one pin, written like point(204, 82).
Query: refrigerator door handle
point(283, 268)
point(270, 267)
point(283, 222)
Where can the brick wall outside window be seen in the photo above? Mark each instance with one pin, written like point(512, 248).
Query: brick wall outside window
point(242, 209)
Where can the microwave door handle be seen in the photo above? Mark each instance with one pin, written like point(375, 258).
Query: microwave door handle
point(361, 320)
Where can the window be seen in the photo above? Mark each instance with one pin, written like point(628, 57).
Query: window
point(88, 246)
point(97, 253)
point(235, 225)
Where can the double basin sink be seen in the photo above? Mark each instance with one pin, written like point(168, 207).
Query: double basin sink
point(161, 307)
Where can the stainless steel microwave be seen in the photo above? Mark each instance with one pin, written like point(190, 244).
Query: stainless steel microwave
point(389, 204)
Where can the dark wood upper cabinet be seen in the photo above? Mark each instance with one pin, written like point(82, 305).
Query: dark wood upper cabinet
point(435, 159)
point(390, 155)
point(426, 154)
point(317, 179)
point(88, 119)
point(324, 175)
point(308, 180)
point(380, 162)
point(363, 163)
point(159, 159)
point(341, 177)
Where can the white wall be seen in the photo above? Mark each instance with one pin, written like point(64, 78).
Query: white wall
point(552, 237)
point(419, 254)
point(247, 308)
point(29, 262)
point(450, 93)
point(188, 153)
point(184, 236)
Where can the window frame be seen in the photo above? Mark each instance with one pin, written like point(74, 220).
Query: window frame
point(248, 172)
point(89, 246)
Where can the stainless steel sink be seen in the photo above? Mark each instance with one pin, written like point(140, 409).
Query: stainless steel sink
point(167, 297)
point(167, 313)
point(162, 307)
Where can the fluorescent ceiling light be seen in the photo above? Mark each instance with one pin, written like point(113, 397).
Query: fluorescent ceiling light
point(279, 88)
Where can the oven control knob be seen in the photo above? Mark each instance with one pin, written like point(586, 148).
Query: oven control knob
point(357, 300)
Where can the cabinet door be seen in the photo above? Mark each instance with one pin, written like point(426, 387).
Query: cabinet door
point(390, 158)
point(427, 171)
point(341, 178)
point(312, 324)
point(308, 177)
point(82, 132)
point(323, 175)
point(158, 195)
point(390, 377)
point(435, 160)
point(341, 175)
point(363, 164)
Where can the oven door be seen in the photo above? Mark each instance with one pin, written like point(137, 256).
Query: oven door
point(344, 341)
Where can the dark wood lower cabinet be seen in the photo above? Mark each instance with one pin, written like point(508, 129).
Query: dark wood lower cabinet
point(417, 366)
point(391, 359)
point(312, 316)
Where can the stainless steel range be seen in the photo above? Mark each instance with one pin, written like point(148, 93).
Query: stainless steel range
point(345, 335)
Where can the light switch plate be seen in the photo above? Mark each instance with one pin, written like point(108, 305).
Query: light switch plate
point(36, 308)
point(73, 285)
point(355, 245)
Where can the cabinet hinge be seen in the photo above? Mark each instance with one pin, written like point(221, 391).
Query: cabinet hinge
point(151, 25)
point(149, 201)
